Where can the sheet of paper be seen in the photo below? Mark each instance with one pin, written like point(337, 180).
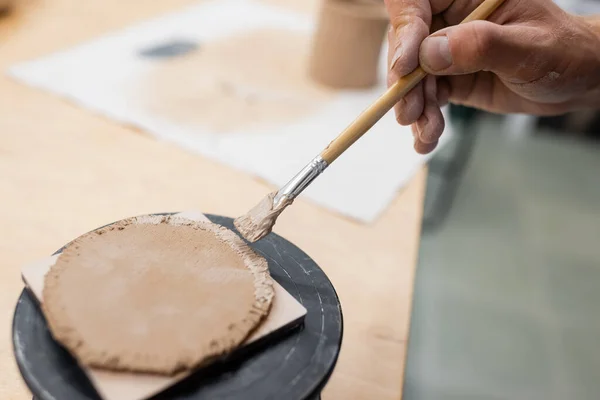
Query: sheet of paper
point(246, 106)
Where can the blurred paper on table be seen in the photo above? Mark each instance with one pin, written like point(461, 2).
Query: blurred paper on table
point(227, 79)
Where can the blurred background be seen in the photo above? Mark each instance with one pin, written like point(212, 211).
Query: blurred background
point(507, 287)
point(508, 282)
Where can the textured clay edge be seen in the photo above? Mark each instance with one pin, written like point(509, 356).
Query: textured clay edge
point(65, 334)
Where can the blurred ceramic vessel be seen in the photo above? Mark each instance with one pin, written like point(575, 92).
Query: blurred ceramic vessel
point(347, 44)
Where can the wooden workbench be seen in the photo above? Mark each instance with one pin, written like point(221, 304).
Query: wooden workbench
point(64, 171)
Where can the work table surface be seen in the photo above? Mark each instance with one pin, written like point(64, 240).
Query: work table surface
point(65, 171)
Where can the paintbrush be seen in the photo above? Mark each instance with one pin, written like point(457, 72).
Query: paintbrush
point(259, 221)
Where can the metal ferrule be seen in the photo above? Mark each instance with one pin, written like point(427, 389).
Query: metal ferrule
point(299, 182)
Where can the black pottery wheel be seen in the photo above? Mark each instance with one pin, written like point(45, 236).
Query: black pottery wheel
point(296, 366)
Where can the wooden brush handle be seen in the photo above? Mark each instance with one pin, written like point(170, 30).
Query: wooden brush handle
point(394, 94)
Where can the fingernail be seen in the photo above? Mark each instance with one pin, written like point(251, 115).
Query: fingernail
point(397, 36)
point(435, 53)
point(424, 148)
point(397, 55)
point(401, 112)
point(421, 124)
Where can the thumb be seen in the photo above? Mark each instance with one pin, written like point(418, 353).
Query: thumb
point(475, 46)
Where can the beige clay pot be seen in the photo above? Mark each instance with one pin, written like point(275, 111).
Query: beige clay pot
point(347, 43)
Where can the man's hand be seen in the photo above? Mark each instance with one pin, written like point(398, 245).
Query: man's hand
point(529, 57)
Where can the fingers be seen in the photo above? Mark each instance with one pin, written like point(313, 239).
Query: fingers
point(485, 91)
point(482, 46)
point(424, 148)
point(410, 107)
point(406, 44)
point(459, 9)
point(410, 20)
point(430, 125)
point(437, 6)
point(443, 92)
point(437, 23)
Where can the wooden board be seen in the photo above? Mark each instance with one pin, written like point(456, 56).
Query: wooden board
point(64, 169)
point(285, 312)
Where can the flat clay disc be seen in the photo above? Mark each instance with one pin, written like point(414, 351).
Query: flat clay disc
point(156, 295)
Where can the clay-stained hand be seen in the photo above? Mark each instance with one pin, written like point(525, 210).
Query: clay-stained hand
point(530, 56)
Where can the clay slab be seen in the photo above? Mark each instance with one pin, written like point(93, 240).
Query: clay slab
point(285, 312)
